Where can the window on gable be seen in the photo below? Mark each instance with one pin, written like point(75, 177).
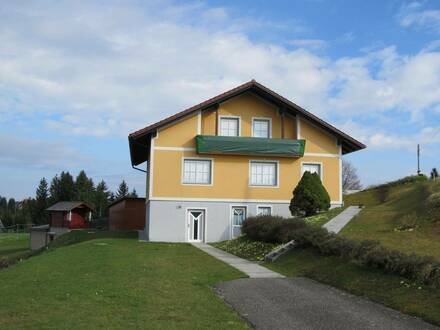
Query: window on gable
point(261, 128)
point(263, 173)
point(312, 168)
point(197, 171)
point(229, 126)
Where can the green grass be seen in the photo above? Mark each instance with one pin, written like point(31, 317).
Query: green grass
point(116, 282)
point(245, 248)
point(379, 221)
point(390, 290)
point(14, 246)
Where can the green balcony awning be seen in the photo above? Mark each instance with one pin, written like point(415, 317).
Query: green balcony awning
point(209, 144)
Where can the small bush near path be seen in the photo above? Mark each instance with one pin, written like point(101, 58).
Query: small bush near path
point(246, 248)
point(367, 252)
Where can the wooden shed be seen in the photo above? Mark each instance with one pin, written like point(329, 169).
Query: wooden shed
point(65, 216)
point(127, 213)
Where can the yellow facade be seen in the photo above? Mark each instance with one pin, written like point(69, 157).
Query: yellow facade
point(230, 173)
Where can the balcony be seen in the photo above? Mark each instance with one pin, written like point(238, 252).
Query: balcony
point(232, 145)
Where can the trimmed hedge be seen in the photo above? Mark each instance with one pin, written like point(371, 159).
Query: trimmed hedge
point(367, 252)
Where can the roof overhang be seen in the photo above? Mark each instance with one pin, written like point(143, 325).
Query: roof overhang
point(140, 140)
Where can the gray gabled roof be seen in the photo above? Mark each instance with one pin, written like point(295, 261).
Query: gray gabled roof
point(68, 206)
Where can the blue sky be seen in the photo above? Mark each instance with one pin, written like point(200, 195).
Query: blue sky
point(77, 77)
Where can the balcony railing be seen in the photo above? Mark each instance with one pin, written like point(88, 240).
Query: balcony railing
point(211, 144)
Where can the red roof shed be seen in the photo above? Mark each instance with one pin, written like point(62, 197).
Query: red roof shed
point(70, 215)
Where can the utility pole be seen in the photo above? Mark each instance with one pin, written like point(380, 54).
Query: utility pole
point(418, 159)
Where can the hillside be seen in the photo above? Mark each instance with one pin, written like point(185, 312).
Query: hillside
point(109, 280)
point(397, 214)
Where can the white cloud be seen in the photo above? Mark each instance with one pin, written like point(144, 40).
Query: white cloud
point(413, 14)
point(308, 43)
point(108, 69)
point(38, 154)
point(384, 139)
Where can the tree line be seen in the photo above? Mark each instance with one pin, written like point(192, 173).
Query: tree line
point(62, 187)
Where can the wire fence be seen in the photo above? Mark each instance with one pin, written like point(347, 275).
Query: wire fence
point(17, 228)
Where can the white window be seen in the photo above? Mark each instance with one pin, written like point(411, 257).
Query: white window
point(263, 173)
point(312, 168)
point(229, 126)
point(238, 215)
point(261, 128)
point(264, 210)
point(197, 171)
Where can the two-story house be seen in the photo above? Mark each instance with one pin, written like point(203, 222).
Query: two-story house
point(237, 154)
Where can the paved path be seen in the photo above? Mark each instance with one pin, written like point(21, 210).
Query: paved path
point(252, 269)
point(301, 303)
point(340, 221)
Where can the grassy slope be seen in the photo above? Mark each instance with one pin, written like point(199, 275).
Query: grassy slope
point(116, 283)
point(13, 245)
point(387, 289)
point(378, 220)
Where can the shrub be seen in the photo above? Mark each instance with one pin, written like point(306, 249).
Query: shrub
point(408, 222)
point(270, 229)
point(382, 193)
point(433, 206)
point(366, 252)
point(309, 196)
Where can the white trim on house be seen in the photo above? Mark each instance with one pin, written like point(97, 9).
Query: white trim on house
point(199, 122)
point(298, 127)
point(262, 118)
point(228, 117)
point(229, 200)
point(314, 154)
point(340, 172)
point(175, 148)
point(264, 205)
point(277, 168)
point(197, 184)
point(321, 172)
point(205, 224)
point(150, 179)
point(231, 217)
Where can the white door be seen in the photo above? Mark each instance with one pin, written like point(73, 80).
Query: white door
point(237, 217)
point(196, 225)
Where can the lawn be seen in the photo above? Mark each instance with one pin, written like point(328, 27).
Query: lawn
point(381, 221)
point(116, 282)
point(390, 290)
point(14, 246)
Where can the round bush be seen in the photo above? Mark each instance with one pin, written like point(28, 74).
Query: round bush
point(309, 196)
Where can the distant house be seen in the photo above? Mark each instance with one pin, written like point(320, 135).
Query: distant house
point(65, 216)
point(127, 213)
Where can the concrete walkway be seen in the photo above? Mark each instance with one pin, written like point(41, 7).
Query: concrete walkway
point(336, 224)
point(252, 269)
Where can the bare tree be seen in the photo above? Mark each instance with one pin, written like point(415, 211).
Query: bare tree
point(350, 179)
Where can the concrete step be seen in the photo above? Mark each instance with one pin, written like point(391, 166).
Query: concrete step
point(274, 255)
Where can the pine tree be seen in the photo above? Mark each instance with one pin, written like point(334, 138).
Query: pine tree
point(41, 203)
point(102, 196)
point(55, 190)
point(84, 189)
point(133, 193)
point(122, 190)
point(309, 196)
